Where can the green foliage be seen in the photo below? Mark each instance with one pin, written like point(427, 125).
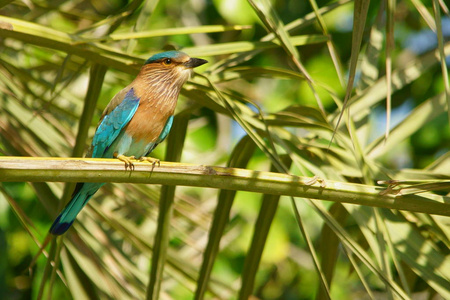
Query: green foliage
point(282, 76)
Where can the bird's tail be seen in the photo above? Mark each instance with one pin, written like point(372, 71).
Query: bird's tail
point(83, 192)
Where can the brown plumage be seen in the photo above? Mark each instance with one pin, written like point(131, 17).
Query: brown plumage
point(158, 86)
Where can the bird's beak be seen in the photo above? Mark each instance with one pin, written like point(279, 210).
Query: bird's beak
point(194, 62)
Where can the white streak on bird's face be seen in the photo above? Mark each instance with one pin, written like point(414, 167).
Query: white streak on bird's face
point(164, 74)
point(184, 72)
point(164, 78)
point(168, 70)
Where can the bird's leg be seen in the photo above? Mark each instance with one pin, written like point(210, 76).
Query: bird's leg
point(151, 160)
point(126, 160)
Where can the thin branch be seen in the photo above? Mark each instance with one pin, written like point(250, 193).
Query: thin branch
point(40, 169)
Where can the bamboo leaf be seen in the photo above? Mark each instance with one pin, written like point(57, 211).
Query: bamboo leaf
point(235, 47)
point(175, 147)
point(329, 247)
point(440, 37)
point(239, 158)
point(266, 215)
point(400, 78)
point(418, 118)
point(141, 34)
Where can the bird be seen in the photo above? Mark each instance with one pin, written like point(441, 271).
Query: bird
point(135, 121)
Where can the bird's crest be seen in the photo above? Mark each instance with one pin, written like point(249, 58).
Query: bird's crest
point(177, 56)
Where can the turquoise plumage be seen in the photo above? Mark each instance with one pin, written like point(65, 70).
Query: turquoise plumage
point(136, 120)
point(112, 124)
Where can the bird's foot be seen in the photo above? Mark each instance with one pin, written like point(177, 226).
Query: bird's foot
point(126, 159)
point(153, 161)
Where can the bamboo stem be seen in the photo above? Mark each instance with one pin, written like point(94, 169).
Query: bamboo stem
point(40, 169)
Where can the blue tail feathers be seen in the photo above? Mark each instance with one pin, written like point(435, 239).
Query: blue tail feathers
point(59, 227)
point(83, 192)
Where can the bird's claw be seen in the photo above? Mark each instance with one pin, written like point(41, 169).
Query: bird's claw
point(153, 161)
point(127, 160)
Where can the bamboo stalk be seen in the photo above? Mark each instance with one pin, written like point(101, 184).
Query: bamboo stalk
point(40, 169)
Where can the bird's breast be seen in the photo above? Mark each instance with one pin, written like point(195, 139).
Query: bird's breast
point(150, 119)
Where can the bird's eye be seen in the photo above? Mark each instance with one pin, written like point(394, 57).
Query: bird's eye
point(167, 61)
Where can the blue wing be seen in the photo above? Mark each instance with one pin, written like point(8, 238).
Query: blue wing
point(162, 135)
point(165, 130)
point(113, 123)
point(107, 132)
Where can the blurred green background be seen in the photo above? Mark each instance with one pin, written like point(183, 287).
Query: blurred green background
point(44, 73)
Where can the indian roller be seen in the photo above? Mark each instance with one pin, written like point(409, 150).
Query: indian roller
point(136, 120)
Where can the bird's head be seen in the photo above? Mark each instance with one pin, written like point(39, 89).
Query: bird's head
point(171, 67)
